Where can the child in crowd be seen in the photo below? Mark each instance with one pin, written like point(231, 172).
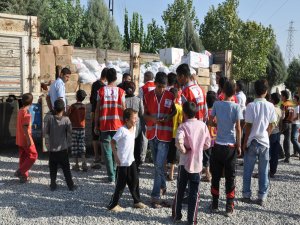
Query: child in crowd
point(177, 119)
point(211, 97)
point(77, 114)
point(192, 138)
point(227, 147)
point(27, 150)
point(122, 145)
point(59, 129)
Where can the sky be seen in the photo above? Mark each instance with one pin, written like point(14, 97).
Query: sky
point(277, 13)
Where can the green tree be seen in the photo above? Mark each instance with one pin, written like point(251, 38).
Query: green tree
point(250, 42)
point(276, 72)
point(154, 39)
point(62, 20)
point(293, 80)
point(181, 25)
point(23, 7)
point(99, 29)
point(126, 38)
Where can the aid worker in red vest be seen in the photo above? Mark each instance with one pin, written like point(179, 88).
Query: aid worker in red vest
point(148, 86)
point(159, 111)
point(191, 91)
point(108, 118)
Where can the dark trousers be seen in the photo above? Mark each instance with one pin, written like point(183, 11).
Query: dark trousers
point(184, 178)
point(275, 148)
point(138, 150)
point(126, 175)
point(223, 158)
point(206, 157)
point(287, 137)
point(60, 158)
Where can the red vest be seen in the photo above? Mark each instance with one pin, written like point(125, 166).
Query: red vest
point(149, 86)
point(111, 110)
point(194, 93)
point(163, 130)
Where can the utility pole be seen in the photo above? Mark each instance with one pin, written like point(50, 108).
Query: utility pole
point(111, 7)
point(289, 52)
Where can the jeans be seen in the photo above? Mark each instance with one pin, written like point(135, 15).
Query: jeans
point(108, 155)
point(287, 137)
point(159, 154)
point(275, 148)
point(184, 178)
point(253, 151)
point(294, 138)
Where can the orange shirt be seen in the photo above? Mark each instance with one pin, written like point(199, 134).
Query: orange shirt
point(24, 118)
point(77, 115)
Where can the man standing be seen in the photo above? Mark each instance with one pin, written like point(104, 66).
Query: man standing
point(240, 95)
point(159, 111)
point(57, 89)
point(259, 118)
point(192, 92)
point(93, 100)
point(108, 118)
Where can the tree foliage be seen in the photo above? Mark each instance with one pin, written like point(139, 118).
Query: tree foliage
point(276, 72)
point(23, 7)
point(154, 39)
point(293, 80)
point(182, 26)
point(126, 37)
point(251, 42)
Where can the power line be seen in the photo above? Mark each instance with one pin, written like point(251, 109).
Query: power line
point(276, 11)
point(254, 10)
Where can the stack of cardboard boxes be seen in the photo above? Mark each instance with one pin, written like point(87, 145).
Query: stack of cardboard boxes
point(58, 53)
point(206, 76)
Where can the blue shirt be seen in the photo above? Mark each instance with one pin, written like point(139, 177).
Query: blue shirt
point(227, 114)
point(57, 90)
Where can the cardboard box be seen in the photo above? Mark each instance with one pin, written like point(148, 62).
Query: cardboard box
point(203, 72)
point(63, 56)
point(71, 86)
point(57, 43)
point(47, 63)
point(74, 77)
point(196, 60)
point(205, 88)
point(64, 50)
point(203, 81)
point(171, 56)
point(216, 68)
point(86, 87)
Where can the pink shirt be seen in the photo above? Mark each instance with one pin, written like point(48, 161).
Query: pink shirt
point(192, 138)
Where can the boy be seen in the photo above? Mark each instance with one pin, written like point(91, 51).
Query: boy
point(177, 119)
point(27, 150)
point(226, 148)
point(259, 118)
point(122, 146)
point(192, 138)
point(77, 114)
point(159, 112)
point(59, 129)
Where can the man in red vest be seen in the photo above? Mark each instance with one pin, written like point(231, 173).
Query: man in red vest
point(108, 117)
point(191, 91)
point(159, 111)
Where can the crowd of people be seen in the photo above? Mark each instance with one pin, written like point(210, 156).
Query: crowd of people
point(203, 133)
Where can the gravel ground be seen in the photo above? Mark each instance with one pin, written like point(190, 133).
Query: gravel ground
point(34, 203)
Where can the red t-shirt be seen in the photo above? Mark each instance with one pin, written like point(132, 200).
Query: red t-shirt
point(24, 118)
point(77, 115)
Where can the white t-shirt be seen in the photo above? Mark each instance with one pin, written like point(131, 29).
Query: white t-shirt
point(125, 145)
point(241, 98)
point(296, 111)
point(260, 114)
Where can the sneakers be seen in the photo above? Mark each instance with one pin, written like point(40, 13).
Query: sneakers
point(76, 167)
point(53, 187)
point(84, 167)
point(23, 179)
point(214, 207)
point(246, 200)
point(139, 205)
point(260, 202)
point(229, 209)
point(117, 208)
point(73, 188)
point(286, 160)
point(17, 173)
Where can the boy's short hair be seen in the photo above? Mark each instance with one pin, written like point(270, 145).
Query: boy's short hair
point(222, 82)
point(80, 95)
point(161, 78)
point(149, 75)
point(184, 70)
point(296, 97)
point(104, 73)
point(285, 94)
point(27, 99)
point(128, 113)
point(111, 75)
point(174, 91)
point(129, 87)
point(65, 71)
point(125, 75)
point(249, 100)
point(240, 85)
point(59, 105)
point(275, 97)
point(172, 78)
point(261, 86)
point(229, 88)
point(189, 108)
point(211, 97)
